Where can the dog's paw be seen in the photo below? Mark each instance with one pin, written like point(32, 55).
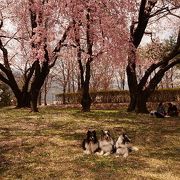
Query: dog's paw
point(87, 152)
point(97, 153)
point(125, 155)
point(107, 154)
point(100, 153)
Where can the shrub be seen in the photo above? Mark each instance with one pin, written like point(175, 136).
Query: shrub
point(116, 96)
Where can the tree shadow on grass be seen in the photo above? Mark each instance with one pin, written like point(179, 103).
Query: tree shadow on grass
point(110, 166)
point(4, 163)
point(166, 153)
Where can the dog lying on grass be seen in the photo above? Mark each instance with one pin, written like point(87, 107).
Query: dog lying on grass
point(123, 145)
point(106, 144)
point(90, 144)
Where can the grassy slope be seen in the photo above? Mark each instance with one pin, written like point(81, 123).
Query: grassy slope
point(47, 145)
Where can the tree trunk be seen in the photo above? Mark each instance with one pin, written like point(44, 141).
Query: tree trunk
point(34, 100)
point(136, 35)
point(141, 101)
point(39, 98)
point(45, 92)
point(86, 100)
point(45, 98)
point(132, 103)
point(23, 100)
point(132, 80)
point(38, 81)
point(64, 96)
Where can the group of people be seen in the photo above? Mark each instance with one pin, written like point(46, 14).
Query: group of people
point(172, 111)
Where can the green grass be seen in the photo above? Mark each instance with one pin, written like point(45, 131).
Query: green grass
point(46, 145)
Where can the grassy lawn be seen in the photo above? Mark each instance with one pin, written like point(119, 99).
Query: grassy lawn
point(46, 145)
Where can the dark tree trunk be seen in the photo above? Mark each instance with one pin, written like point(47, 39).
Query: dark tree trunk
point(132, 79)
point(40, 98)
point(45, 92)
point(136, 34)
point(132, 103)
point(38, 81)
point(34, 100)
point(141, 101)
point(23, 101)
point(86, 98)
point(22, 96)
point(85, 72)
point(45, 98)
point(86, 101)
point(64, 95)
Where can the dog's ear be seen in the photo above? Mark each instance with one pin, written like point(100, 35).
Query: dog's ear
point(102, 131)
point(124, 134)
point(88, 132)
point(94, 132)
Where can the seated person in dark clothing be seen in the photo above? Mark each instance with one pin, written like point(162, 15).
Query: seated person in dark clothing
point(172, 110)
point(160, 112)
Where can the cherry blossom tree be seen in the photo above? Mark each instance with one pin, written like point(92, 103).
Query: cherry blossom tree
point(99, 29)
point(36, 25)
point(102, 75)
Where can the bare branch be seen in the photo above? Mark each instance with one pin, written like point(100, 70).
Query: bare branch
point(11, 38)
point(164, 63)
point(5, 55)
point(165, 10)
point(1, 20)
point(3, 79)
point(149, 34)
point(15, 38)
point(60, 44)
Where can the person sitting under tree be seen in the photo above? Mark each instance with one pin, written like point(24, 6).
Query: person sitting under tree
point(160, 112)
point(172, 110)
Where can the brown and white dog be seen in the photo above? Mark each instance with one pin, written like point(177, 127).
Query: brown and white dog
point(106, 144)
point(123, 145)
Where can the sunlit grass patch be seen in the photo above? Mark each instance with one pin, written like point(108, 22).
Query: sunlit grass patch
point(47, 145)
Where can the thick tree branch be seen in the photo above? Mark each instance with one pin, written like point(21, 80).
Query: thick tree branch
point(33, 17)
point(12, 37)
point(5, 55)
point(60, 45)
point(144, 15)
point(3, 79)
point(165, 10)
point(28, 77)
point(141, 10)
point(159, 75)
point(175, 52)
point(10, 79)
point(79, 52)
point(1, 20)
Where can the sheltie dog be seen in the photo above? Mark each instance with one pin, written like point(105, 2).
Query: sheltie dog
point(106, 144)
point(90, 144)
point(123, 145)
